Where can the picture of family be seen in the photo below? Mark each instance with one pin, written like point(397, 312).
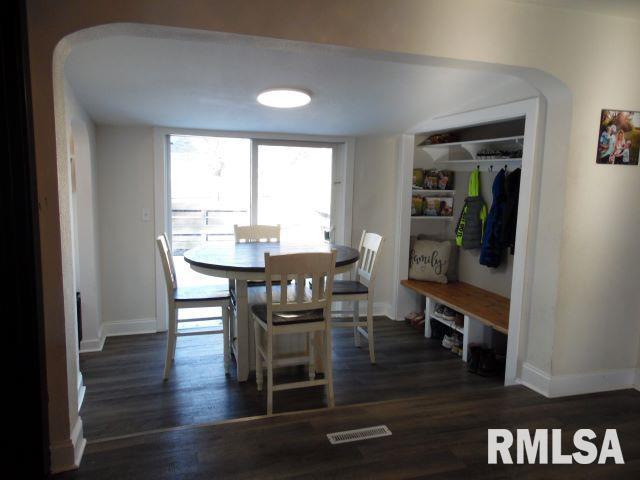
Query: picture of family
point(619, 138)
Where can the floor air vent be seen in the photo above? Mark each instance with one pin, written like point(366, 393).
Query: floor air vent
point(359, 434)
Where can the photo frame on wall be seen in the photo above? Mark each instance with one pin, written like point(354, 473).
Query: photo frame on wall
point(619, 138)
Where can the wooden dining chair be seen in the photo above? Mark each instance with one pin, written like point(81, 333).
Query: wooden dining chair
point(360, 289)
point(190, 297)
point(297, 309)
point(256, 233)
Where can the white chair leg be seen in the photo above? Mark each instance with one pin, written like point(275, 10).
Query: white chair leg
point(269, 373)
point(257, 336)
point(225, 338)
point(171, 342)
point(175, 338)
point(372, 353)
point(312, 354)
point(356, 319)
point(328, 367)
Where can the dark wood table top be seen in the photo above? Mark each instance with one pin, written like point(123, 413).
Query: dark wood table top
point(249, 257)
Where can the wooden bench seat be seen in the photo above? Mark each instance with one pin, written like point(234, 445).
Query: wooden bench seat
point(486, 307)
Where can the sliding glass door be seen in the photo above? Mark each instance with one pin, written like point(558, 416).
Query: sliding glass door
point(217, 182)
point(292, 187)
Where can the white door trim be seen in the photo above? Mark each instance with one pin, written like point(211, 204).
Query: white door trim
point(343, 157)
point(533, 110)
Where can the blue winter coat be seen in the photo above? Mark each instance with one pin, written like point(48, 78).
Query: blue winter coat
point(492, 244)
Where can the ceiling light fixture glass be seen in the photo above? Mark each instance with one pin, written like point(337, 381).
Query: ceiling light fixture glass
point(284, 98)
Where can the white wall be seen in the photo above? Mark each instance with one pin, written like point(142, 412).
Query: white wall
point(374, 206)
point(85, 217)
point(125, 186)
point(127, 249)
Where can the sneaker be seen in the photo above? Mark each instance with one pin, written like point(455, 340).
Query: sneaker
point(439, 311)
point(412, 317)
point(417, 320)
point(457, 345)
point(419, 323)
point(459, 320)
point(447, 341)
point(449, 314)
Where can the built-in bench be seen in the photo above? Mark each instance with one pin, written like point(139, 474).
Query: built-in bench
point(482, 310)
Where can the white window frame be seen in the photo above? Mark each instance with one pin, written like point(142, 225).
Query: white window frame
point(341, 193)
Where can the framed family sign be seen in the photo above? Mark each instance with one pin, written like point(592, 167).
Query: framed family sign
point(619, 138)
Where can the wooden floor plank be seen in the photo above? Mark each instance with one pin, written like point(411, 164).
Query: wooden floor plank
point(125, 392)
point(440, 435)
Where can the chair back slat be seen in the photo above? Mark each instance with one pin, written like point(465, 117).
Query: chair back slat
point(370, 248)
point(256, 233)
point(320, 267)
point(167, 263)
point(300, 288)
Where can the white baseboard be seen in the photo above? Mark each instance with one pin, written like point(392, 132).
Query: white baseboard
point(81, 390)
point(67, 454)
point(535, 379)
point(604, 381)
point(117, 328)
point(566, 385)
point(133, 326)
point(93, 344)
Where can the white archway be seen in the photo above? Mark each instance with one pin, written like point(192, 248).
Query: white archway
point(542, 282)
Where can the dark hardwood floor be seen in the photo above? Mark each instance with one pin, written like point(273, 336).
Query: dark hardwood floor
point(438, 435)
point(125, 392)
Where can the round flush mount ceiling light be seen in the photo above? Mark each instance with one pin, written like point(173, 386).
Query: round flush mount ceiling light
point(284, 98)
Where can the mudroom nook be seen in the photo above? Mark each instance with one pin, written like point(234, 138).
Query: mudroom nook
point(466, 178)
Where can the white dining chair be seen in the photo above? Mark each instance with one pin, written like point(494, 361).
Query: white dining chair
point(297, 309)
point(256, 233)
point(360, 289)
point(191, 297)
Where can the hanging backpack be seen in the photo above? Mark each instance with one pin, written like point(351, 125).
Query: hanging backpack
point(470, 227)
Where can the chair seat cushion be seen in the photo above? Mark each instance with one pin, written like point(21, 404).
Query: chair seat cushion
point(201, 292)
point(348, 287)
point(288, 318)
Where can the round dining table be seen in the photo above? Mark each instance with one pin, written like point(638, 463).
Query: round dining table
point(244, 262)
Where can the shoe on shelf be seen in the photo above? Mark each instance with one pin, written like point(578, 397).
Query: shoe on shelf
point(412, 317)
point(417, 320)
point(449, 314)
point(447, 341)
point(457, 344)
point(459, 320)
point(438, 311)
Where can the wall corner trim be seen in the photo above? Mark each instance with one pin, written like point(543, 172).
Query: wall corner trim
point(93, 344)
point(67, 455)
point(535, 379)
point(82, 389)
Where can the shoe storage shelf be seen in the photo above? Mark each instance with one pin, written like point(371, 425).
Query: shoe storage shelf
point(449, 323)
point(483, 310)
